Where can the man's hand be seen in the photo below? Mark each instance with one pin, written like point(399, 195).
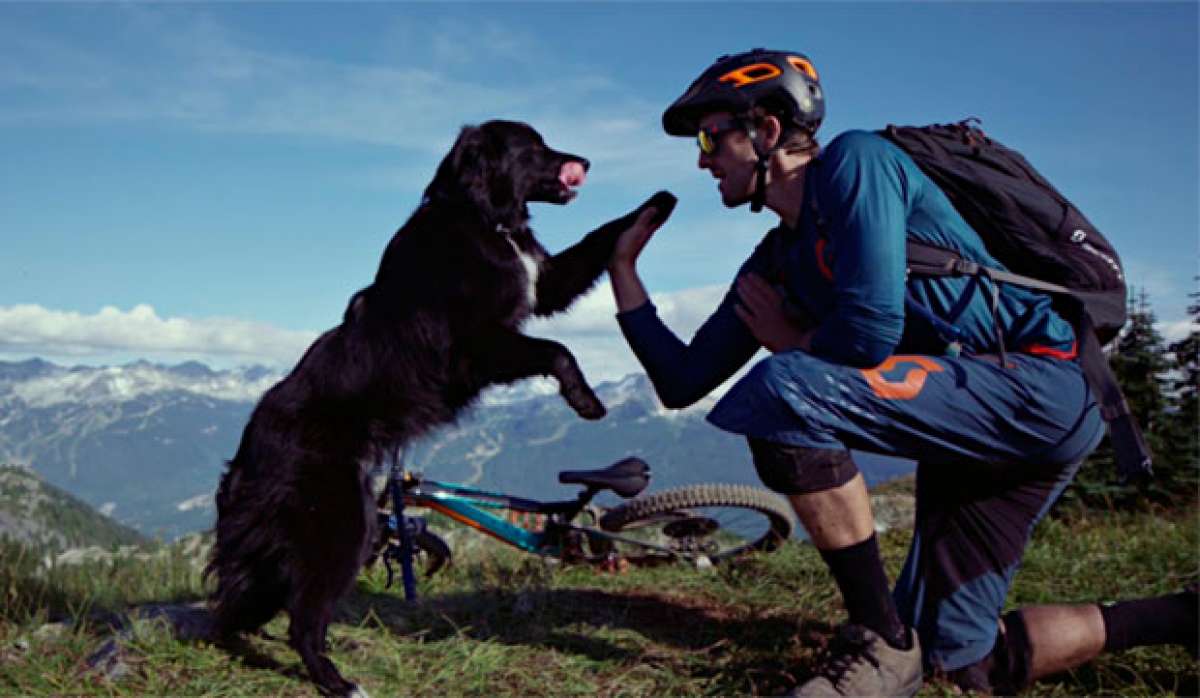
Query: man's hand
point(633, 240)
point(762, 310)
point(628, 290)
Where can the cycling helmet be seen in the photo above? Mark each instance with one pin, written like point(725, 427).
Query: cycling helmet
point(782, 81)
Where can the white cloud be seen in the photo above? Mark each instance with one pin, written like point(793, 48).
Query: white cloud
point(455, 43)
point(1162, 286)
point(595, 314)
point(193, 71)
point(412, 90)
point(34, 330)
point(1175, 331)
point(589, 329)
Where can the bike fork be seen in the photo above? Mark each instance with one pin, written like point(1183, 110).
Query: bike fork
point(406, 538)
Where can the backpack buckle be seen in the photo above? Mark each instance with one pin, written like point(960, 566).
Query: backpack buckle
point(962, 266)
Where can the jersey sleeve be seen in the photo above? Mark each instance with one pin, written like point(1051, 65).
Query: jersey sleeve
point(682, 373)
point(861, 195)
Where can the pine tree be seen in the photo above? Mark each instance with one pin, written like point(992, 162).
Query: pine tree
point(1184, 428)
point(1140, 365)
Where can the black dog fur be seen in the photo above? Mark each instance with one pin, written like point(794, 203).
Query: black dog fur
point(295, 515)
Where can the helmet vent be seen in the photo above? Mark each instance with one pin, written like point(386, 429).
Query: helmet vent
point(803, 66)
point(750, 74)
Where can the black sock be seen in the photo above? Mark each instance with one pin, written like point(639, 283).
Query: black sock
point(859, 574)
point(1165, 620)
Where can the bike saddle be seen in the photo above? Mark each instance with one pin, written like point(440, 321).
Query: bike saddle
point(627, 477)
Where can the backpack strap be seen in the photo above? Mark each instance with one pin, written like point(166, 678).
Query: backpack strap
point(930, 260)
point(1130, 450)
point(1129, 447)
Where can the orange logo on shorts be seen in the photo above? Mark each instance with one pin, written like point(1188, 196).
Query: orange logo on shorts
point(914, 378)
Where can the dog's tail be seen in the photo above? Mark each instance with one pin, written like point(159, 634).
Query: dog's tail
point(247, 559)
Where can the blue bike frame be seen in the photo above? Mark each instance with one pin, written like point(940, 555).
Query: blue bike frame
point(470, 506)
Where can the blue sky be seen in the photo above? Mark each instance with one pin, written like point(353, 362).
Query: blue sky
point(213, 181)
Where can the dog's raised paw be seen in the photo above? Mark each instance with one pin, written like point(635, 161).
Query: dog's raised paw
point(585, 404)
point(358, 692)
point(664, 202)
point(594, 410)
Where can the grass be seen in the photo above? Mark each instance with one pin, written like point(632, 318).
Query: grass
point(505, 623)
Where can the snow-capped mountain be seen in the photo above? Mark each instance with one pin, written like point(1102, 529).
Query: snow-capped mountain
point(146, 443)
point(134, 441)
point(36, 383)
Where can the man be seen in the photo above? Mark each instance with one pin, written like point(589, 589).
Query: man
point(866, 358)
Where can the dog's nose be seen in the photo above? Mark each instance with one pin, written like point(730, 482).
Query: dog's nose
point(572, 174)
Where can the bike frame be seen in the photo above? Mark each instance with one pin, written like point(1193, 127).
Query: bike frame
point(473, 507)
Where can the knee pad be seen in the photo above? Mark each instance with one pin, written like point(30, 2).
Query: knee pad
point(1006, 669)
point(1014, 656)
point(799, 470)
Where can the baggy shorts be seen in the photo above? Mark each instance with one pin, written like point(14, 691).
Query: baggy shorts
point(995, 447)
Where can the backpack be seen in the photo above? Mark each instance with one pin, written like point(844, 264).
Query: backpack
point(1045, 243)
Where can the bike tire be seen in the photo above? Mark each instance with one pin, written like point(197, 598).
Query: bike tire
point(769, 519)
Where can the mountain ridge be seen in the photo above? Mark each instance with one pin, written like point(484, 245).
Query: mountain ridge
point(37, 514)
point(146, 443)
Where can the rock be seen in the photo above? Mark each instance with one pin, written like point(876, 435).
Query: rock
point(76, 556)
point(108, 660)
point(196, 547)
point(187, 623)
point(50, 631)
point(894, 511)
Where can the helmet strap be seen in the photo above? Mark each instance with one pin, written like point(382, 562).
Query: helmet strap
point(759, 196)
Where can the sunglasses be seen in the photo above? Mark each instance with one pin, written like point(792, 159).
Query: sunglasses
point(709, 137)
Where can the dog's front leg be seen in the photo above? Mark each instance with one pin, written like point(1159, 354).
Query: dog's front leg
point(506, 355)
point(570, 273)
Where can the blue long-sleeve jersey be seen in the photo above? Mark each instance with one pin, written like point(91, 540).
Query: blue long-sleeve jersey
point(844, 266)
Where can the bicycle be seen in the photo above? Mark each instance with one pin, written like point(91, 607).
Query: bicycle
point(703, 524)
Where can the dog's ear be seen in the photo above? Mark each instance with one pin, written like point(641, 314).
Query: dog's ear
point(446, 181)
point(474, 170)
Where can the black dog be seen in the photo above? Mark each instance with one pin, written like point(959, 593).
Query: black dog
point(295, 516)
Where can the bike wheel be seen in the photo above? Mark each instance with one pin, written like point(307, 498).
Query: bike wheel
point(716, 521)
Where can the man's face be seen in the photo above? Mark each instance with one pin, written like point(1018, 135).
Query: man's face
point(733, 160)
